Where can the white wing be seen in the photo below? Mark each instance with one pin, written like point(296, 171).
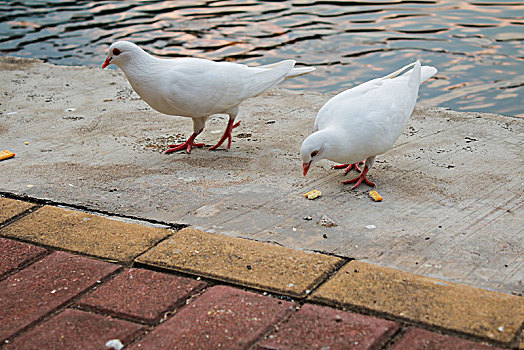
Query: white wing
point(196, 87)
point(376, 93)
point(329, 113)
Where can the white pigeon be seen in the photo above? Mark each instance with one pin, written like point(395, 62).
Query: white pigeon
point(364, 121)
point(196, 88)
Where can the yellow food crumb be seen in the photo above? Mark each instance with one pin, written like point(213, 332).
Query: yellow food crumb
point(27, 143)
point(313, 194)
point(376, 197)
point(6, 154)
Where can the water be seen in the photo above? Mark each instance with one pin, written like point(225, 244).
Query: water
point(476, 45)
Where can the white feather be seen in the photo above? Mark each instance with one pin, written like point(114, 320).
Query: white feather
point(193, 87)
point(366, 120)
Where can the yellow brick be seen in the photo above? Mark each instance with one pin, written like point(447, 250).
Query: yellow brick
point(10, 208)
point(427, 300)
point(241, 261)
point(85, 233)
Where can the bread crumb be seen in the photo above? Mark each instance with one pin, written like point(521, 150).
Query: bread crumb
point(376, 197)
point(313, 194)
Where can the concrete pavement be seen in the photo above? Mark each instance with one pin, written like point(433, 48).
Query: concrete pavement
point(452, 187)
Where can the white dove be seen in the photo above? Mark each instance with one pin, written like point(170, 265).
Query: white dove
point(196, 88)
point(364, 121)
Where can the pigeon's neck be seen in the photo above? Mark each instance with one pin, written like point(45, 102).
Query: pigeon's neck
point(140, 66)
point(336, 144)
point(144, 73)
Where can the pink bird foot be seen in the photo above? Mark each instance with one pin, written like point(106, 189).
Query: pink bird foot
point(227, 135)
point(363, 177)
point(348, 167)
point(186, 145)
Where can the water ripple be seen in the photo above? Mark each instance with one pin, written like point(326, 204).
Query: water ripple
point(477, 45)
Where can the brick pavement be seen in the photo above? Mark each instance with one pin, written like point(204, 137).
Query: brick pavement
point(236, 295)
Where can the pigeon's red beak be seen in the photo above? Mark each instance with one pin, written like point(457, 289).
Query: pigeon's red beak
point(306, 167)
point(107, 62)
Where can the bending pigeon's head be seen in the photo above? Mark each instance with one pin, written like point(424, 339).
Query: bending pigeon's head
point(312, 150)
point(120, 53)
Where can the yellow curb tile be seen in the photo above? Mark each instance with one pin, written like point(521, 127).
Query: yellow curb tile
point(422, 299)
point(241, 261)
point(85, 233)
point(11, 207)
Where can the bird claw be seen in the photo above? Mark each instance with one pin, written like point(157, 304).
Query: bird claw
point(181, 146)
point(187, 145)
point(227, 135)
point(359, 179)
point(348, 167)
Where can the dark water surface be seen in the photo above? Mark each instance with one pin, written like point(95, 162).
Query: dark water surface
point(476, 45)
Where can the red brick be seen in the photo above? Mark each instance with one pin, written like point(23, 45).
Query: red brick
point(45, 285)
point(143, 295)
point(419, 339)
point(75, 329)
point(316, 327)
point(221, 318)
point(14, 254)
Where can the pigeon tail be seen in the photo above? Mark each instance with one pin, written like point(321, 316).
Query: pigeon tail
point(425, 73)
point(414, 77)
point(269, 76)
point(397, 72)
point(295, 72)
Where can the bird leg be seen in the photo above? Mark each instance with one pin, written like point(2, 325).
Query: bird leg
point(362, 177)
point(349, 167)
point(227, 134)
point(187, 145)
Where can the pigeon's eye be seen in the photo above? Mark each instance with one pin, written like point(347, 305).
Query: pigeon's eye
point(314, 153)
point(116, 52)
